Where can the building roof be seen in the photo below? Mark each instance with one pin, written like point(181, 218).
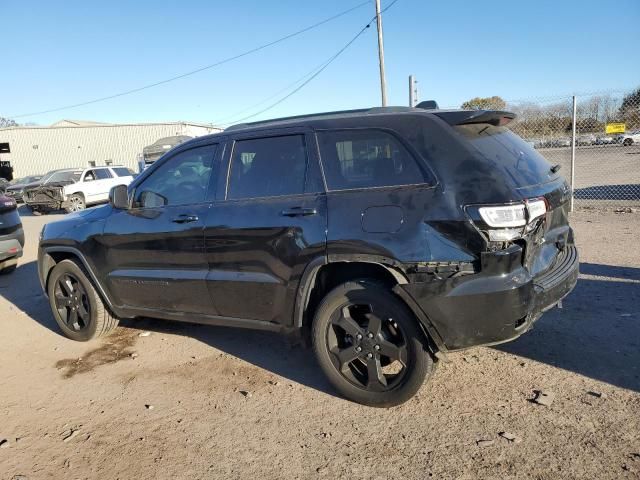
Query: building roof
point(76, 123)
point(90, 124)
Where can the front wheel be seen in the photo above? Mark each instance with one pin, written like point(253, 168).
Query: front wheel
point(369, 345)
point(75, 303)
point(627, 142)
point(76, 203)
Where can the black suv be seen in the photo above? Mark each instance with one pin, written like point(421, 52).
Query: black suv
point(386, 236)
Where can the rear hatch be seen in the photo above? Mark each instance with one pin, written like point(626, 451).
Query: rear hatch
point(527, 175)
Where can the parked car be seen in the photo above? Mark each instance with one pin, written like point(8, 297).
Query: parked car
point(387, 237)
point(94, 186)
point(153, 152)
point(605, 140)
point(585, 140)
point(74, 189)
point(16, 188)
point(46, 194)
point(561, 142)
point(629, 138)
point(11, 235)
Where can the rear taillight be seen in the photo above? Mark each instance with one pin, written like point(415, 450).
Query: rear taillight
point(505, 223)
point(504, 216)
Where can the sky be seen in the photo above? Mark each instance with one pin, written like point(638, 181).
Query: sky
point(56, 52)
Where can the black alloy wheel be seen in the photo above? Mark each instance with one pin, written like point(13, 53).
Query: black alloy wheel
point(76, 305)
point(369, 345)
point(72, 302)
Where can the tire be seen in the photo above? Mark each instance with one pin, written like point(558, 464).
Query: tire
point(627, 142)
point(70, 290)
point(368, 316)
point(76, 203)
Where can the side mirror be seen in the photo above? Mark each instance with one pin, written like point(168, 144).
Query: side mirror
point(119, 197)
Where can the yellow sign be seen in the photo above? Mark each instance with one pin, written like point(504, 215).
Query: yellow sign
point(615, 128)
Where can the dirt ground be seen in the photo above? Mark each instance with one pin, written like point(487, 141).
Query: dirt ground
point(195, 402)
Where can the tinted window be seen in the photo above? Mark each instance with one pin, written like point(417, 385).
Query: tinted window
point(123, 172)
point(102, 174)
point(366, 158)
point(268, 167)
point(506, 152)
point(181, 180)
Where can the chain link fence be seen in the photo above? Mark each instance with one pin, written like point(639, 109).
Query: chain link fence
point(601, 157)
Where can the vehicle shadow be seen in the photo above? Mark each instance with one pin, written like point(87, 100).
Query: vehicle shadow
point(276, 353)
point(596, 333)
point(25, 211)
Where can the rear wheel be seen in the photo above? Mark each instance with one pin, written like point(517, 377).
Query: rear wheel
point(75, 303)
point(369, 345)
point(76, 203)
point(627, 142)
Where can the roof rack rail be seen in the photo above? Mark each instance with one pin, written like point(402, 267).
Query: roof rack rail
point(372, 110)
point(293, 117)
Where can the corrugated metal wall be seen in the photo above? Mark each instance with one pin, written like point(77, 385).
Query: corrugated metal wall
point(36, 150)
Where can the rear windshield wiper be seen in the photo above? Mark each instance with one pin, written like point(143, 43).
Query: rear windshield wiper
point(555, 168)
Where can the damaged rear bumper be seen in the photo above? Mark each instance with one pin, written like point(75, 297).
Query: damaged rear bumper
point(496, 305)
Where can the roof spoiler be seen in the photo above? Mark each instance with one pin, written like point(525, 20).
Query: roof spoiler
point(497, 118)
point(428, 105)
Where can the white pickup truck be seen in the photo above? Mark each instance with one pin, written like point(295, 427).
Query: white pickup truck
point(94, 186)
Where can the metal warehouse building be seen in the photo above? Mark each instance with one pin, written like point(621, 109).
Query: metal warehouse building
point(69, 143)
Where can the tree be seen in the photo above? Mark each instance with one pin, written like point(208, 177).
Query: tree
point(487, 103)
point(630, 109)
point(7, 122)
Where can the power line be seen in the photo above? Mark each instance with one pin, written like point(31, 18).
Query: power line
point(318, 70)
point(223, 120)
point(198, 70)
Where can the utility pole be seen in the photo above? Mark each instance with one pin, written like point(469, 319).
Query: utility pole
point(383, 82)
point(413, 91)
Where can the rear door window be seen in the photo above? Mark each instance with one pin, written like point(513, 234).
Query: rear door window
point(102, 174)
point(507, 153)
point(268, 167)
point(365, 159)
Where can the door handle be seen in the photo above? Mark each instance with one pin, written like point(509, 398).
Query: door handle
point(298, 212)
point(185, 218)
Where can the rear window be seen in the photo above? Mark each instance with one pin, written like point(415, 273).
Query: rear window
point(507, 152)
point(365, 159)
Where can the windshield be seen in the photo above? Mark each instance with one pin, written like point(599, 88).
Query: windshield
point(64, 176)
point(508, 153)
